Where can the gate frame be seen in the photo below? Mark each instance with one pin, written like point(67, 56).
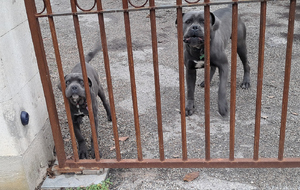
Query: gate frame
point(76, 165)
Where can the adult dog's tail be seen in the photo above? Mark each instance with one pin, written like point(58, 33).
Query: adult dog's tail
point(92, 54)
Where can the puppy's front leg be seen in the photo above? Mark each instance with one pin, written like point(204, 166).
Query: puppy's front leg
point(92, 142)
point(81, 142)
point(95, 111)
point(190, 81)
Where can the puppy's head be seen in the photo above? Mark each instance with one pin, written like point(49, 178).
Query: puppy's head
point(193, 27)
point(75, 90)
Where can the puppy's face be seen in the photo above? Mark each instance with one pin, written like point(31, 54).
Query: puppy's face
point(75, 90)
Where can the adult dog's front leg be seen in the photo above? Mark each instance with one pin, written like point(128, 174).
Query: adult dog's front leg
point(212, 72)
point(190, 81)
point(222, 100)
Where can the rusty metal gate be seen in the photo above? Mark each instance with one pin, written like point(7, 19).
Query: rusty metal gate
point(76, 164)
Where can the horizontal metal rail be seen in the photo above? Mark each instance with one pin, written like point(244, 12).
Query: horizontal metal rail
point(179, 163)
point(148, 8)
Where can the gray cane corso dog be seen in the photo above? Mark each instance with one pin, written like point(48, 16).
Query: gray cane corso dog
point(220, 34)
point(75, 92)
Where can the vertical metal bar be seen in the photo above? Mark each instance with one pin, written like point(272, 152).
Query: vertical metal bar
point(132, 79)
point(156, 80)
point(85, 79)
point(263, 12)
point(233, 78)
point(108, 78)
point(181, 78)
point(288, 59)
point(207, 78)
point(62, 79)
point(45, 79)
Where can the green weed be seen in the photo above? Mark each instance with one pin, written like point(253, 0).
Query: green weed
point(104, 185)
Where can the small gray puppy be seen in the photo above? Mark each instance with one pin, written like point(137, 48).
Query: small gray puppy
point(220, 34)
point(75, 92)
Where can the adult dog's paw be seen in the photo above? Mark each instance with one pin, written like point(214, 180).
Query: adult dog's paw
point(109, 118)
point(245, 85)
point(190, 108)
point(223, 108)
point(246, 82)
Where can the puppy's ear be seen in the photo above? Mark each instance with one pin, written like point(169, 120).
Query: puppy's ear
point(215, 22)
point(59, 84)
point(176, 18)
point(90, 82)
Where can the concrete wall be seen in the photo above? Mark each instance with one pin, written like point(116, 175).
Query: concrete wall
point(24, 150)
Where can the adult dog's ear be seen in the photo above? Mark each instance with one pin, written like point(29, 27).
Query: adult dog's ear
point(90, 82)
point(214, 21)
point(176, 18)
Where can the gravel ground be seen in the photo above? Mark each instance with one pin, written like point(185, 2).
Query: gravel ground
point(275, 45)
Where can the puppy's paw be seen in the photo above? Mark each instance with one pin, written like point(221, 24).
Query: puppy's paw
point(82, 155)
point(93, 154)
point(223, 108)
point(190, 108)
point(82, 151)
point(202, 84)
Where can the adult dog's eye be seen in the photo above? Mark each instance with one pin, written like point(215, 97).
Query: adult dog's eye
point(67, 83)
point(81, 82)
point(188, 22)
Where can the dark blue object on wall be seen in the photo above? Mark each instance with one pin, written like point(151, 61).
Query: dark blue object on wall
point(24, 117)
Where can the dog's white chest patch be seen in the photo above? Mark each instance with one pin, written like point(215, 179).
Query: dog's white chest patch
point(199, 64)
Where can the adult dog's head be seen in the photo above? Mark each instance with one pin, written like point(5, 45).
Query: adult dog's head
point(193, 27)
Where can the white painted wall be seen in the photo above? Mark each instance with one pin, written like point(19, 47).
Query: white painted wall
point(24, 150)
